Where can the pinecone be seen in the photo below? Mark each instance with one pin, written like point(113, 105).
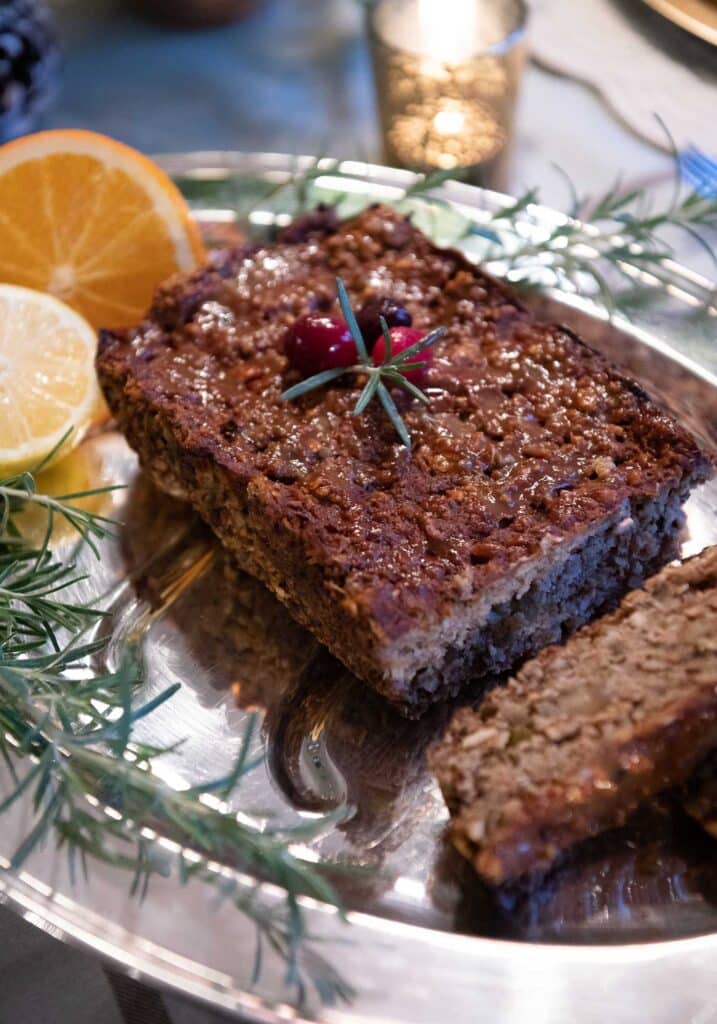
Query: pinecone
point(29, 65)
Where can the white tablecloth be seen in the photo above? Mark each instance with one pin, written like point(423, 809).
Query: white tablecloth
point(638, 63)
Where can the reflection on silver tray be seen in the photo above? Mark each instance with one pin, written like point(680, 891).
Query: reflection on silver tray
point(332, 744)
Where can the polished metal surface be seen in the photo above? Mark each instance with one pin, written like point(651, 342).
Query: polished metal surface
point(696, 16)
point(624, 929)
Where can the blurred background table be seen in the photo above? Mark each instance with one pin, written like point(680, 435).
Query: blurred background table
point(294, 77)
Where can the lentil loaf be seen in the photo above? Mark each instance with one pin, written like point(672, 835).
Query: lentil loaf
point(542, 482)
point(585, 732)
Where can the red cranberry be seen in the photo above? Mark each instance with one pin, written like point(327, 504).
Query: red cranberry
point(401, 339)
point(317, 342)
point(368, 317)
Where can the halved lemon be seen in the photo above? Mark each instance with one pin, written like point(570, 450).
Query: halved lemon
point(93, 222)
point(47, 377)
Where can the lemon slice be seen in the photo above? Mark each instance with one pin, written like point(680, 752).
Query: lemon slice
point(47, 377)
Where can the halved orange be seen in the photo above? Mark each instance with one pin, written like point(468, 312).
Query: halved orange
point(91, 221)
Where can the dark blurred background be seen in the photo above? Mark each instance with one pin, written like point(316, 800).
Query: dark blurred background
point(295, 76)
point(289, 75)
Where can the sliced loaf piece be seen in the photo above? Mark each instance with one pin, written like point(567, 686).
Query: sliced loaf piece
point(587, 731)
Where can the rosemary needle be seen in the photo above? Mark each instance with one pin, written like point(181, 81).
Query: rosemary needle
point(388, 374)
point(66, 737)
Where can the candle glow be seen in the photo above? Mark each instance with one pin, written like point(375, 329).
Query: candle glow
point(446, 88)
point(448, 29)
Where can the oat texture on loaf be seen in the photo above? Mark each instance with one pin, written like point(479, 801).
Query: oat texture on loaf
point(587, 731)
point(542, 482)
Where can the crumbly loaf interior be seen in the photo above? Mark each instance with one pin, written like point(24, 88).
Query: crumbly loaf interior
point(585, 732)
point(542, 603)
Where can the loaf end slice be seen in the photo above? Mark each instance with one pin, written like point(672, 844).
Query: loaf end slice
point(586, 732)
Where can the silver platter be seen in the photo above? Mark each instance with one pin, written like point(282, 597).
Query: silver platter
point(626, 930)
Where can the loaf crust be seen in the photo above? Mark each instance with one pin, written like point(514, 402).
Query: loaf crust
point(542, 482)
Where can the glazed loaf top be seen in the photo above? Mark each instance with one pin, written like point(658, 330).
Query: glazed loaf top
point(529, 435)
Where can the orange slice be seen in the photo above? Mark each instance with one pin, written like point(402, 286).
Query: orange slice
point(93, 222)
point(48, 386)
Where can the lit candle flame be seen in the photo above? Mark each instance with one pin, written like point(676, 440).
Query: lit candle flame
point(449, 29)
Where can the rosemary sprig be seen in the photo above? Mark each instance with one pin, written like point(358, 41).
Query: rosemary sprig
point(111, 808)
point(621, 230)
point(66, 737)
point(33, 584)
point(600, 245)
point(390, 373)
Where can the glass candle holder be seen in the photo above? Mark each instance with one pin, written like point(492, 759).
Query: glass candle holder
point(447, 74)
